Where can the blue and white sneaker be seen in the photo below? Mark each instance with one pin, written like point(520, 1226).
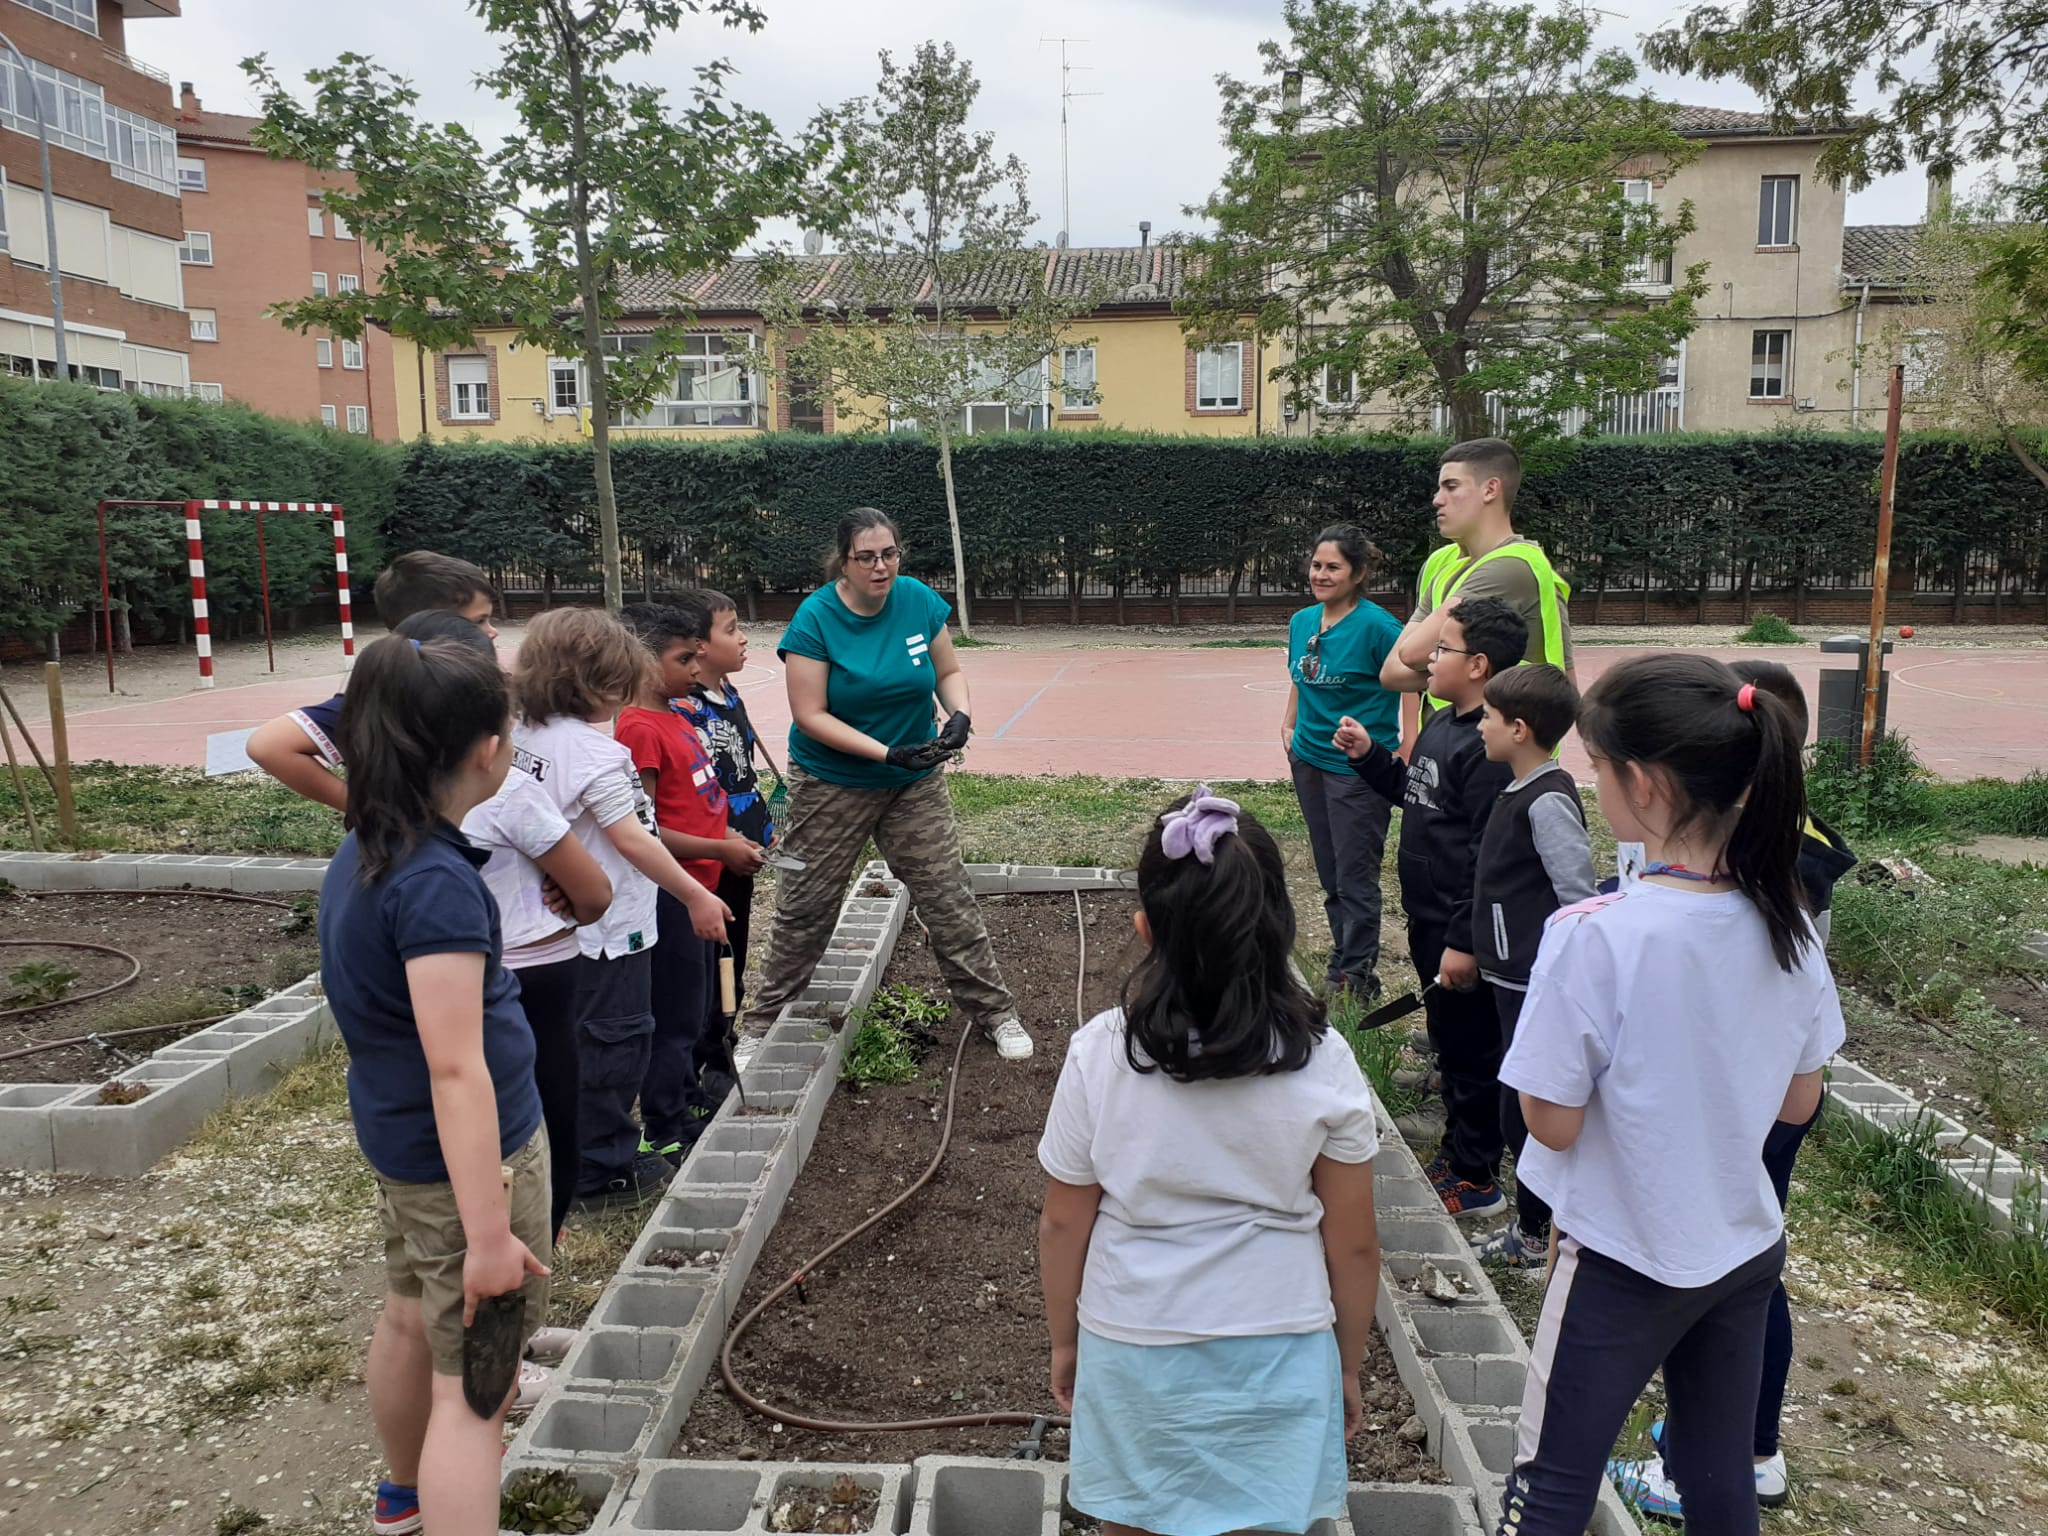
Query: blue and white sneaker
point(1773, 1486)
point(1511, 1246)
point(1645, 1489)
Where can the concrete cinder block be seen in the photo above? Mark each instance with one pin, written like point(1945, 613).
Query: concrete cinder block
point(757, 1135)
point(1478, 1454)
point(1430, 1236)
point(963, 1496)
point(632, 1360)
point(1413, 1509)
point(723, 1168)
point(263, 877)
point(1868, 1093)
point(600, 1432)
point(1393, 1193)
point(263, 1047)
point(1399, 1270)
point(694, 1496)
point(676, 1303)
point(74, 874)
point(894, 1488)
point(1482, 1383)
point(121, 1141)
point(1463, 1330)
point(27, 1140)
point(808, 1054)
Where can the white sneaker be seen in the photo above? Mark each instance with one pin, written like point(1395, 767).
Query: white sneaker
point(1012, 1043)
point(1771, 1488)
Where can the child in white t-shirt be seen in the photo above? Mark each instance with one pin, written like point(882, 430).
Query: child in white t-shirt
point(1668, 1027)
point(1207, 1248)
point(576, 668)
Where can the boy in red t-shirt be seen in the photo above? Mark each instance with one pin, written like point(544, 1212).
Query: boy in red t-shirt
point(690, 816)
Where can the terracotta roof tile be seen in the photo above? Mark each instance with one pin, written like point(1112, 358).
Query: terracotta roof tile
point(216, 128)
point(1884, 255)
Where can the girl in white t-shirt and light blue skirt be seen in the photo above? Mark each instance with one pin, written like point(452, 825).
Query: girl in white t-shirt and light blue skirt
point(1667, 1027)
point(1207, 1247)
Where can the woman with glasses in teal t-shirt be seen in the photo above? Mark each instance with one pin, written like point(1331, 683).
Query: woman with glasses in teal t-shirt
point(1335, 649)
point(867, 658)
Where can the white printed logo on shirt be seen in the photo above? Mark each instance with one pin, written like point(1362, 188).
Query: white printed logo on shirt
point(918, 646)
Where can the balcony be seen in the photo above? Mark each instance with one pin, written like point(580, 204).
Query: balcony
point(128, 61)
point(1642, 413)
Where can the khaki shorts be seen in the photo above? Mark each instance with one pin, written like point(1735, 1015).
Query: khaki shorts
point(424, 1247)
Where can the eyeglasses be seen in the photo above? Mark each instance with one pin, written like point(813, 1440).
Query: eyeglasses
point(1448, 650)
point(870, 558)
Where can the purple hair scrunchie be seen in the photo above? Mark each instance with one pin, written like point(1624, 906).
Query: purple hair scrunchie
point(1196, 826)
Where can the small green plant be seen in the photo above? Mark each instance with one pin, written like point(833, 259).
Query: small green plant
point(302, 918)
point(543, 1501)
point(244, 994)
point(1893, 795)
point(1381, 1053)
point(1768, 629)
point(889, 1034)
point(39, 983)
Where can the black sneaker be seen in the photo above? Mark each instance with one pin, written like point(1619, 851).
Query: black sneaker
point(647, 1178)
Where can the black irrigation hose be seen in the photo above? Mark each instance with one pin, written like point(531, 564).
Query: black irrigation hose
point(840, 1427)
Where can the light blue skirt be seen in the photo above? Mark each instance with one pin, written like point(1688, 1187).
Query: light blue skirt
point(1199, 1439)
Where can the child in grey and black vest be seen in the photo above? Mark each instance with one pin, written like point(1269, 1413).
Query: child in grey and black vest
point(1534, 858)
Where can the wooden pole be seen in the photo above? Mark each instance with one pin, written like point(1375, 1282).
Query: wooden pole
point(1881, 571)
point(7, 702)
point(35, 837)
point(60, 749)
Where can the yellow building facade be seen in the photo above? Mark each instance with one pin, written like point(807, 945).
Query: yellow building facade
point(1127, 366)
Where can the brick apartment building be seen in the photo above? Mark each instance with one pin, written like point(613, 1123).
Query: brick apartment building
point(113, 158)
point(255, 234)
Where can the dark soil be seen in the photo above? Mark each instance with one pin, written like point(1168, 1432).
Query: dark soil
point(937, 1312)
point(201, 958)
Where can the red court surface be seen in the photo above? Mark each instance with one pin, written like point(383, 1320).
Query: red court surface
point(1146, 712)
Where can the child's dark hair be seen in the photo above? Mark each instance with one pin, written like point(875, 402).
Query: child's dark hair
point(419, 580)
point(1776, 679)
point(1727, 749)
point(660, 625)
point(412, 711)
point(1493, 630)
point(576, 662)
point(1540, 696)
point(1359, 552)
point(1216, 995)
point(851, 526)
point(714, 601)
point(446, 624)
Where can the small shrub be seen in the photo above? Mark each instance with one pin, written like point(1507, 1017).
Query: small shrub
point(39, 983)
point(1893, 795)
point(543, 1501)
point(1768, 629)
point(889, 1036)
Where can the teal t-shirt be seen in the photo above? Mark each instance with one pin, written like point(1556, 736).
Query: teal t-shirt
point(1342, 679)
point(881, 680)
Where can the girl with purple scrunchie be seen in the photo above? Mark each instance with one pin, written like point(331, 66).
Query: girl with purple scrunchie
point(1207, 1246)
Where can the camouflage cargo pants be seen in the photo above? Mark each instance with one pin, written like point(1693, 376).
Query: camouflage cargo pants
point(828, 827)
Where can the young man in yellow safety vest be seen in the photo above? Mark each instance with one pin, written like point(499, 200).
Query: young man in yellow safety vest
point(1475, 505)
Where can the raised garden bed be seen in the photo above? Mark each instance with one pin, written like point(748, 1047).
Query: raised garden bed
point(938, 1313)
point(201, 959)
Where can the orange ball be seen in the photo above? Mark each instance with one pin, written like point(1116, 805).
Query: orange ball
point(1905, 631)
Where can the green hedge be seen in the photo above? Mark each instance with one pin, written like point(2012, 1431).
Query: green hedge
point(1119, 512)
point(65, 448)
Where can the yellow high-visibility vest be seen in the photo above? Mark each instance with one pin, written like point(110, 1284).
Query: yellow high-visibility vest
point(1447, 570)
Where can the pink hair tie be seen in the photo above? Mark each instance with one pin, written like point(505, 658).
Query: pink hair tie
point(1745, 698)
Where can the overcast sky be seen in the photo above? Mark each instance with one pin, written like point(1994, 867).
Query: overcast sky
point(1145, 147)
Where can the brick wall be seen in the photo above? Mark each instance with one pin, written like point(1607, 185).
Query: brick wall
point(1247, 383)
point(444, 393)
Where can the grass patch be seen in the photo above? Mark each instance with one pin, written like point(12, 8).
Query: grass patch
point(589, 1254)
point(1897, 797)
point(1891, 1183)
point(1768, 629)
point(1925, 946)
point(178, 810)
point(1080, 819)
point(889, 1033)
point(1381, 1053)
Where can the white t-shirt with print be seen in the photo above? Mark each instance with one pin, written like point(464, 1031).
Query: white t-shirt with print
point(590, 779)
point(518, 825)
point(1663, 1012)
point(1208, 1226)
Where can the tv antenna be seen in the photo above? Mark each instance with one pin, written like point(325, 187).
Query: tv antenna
point(1067, 94)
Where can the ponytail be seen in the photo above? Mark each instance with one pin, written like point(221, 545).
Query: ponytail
point(1216, 995)
point(414, 709)
point(1727, 749)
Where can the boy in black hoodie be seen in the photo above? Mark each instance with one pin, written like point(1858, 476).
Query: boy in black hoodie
point(1447, 789)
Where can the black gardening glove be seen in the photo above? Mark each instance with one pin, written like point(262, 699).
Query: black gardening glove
point(917, 756)
point(953, 734)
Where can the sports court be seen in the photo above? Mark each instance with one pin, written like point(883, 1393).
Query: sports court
point(1178, 712)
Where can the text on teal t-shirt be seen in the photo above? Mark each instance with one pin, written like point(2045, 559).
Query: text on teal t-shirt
point(881, 680)
point(1341, 678)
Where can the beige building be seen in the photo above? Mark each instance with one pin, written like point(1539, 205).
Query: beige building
point(1791, 291)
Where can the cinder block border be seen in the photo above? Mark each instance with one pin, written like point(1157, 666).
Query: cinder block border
point(160, 871)
point(1997, 1179)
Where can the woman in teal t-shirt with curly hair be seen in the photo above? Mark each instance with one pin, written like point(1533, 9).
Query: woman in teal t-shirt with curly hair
point(867, 655)
point(1335, 649)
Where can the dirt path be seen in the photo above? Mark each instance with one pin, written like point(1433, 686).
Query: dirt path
point(938, 1312)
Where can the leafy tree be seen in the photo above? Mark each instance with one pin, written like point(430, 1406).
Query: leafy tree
point(933, 227)
point(1958, 82)
point(1431, 202)
point(600, 184)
